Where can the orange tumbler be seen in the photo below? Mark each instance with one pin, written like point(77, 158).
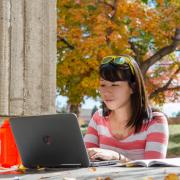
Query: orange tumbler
point(9, 154)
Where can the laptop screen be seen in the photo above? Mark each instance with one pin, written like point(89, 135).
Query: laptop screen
point(49, 140)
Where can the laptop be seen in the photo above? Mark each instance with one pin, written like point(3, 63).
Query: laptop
point(51, 141)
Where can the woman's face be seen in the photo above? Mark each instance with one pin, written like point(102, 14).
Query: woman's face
point(115, 94)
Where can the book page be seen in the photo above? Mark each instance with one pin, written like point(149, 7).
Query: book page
point(155, 162)
point(141, 162)
point(152, 162)
point(165, 162)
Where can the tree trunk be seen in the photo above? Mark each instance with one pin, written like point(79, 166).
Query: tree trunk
point(73, 108)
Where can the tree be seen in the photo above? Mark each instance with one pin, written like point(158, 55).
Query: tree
point(178, 114)
point(94, 110)
point(88, 30)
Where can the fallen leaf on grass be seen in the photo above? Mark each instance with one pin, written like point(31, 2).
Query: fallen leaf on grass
point(99, 178)
point(92, 169)
point(107, 178)
point(103, 178)
point(171, 176)
point(22, 168)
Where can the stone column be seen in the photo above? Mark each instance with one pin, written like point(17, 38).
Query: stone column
point(27, 57)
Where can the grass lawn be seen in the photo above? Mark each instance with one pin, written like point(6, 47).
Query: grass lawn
point(174, 140)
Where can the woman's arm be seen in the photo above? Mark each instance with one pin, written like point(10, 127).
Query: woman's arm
point(157, 137)
point(91, 137)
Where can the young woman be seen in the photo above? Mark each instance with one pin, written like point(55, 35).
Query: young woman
point(126, 127)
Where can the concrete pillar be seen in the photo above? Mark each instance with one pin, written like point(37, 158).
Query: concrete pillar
point(27, 57)
point(4, 55)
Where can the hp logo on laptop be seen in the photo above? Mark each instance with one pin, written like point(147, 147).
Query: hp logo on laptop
point(47, 140)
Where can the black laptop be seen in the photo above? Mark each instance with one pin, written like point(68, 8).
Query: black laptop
point(51, 141)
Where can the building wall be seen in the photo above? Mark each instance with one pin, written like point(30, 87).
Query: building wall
point(174, 120)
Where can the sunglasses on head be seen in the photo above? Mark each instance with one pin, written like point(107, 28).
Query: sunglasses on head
point(118, 60)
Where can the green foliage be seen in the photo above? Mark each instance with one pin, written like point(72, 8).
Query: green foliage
point(178, 114)
point(145, 1)
point(174, 141)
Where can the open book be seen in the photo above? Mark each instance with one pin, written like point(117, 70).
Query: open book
point(174, 162)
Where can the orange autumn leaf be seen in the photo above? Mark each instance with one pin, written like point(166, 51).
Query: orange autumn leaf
point(171, 176)
point(92, 169)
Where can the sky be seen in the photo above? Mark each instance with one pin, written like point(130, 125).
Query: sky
point(170, 109)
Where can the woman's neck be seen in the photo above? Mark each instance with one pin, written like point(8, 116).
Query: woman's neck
point(121, 115)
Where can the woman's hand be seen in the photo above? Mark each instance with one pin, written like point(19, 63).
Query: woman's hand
point(105, 154)
point(102, 154)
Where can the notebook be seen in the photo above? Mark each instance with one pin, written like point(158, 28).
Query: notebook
point(51, 141)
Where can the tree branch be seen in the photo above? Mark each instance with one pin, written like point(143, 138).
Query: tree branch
point(65, 42)
point(107, 4)
point(136, 51)
point(111, 16)
point(166, 86)
point(176, 88)
point(162, 52)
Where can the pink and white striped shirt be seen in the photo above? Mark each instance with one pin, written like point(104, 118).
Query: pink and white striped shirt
point(150, 143)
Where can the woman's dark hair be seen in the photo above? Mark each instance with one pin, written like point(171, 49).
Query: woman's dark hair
point(141, 110)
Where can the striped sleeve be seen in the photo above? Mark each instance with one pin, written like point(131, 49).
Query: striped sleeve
point(157, 138)
point(91, 138)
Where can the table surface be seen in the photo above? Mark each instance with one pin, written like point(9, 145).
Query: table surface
point(98, 173)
